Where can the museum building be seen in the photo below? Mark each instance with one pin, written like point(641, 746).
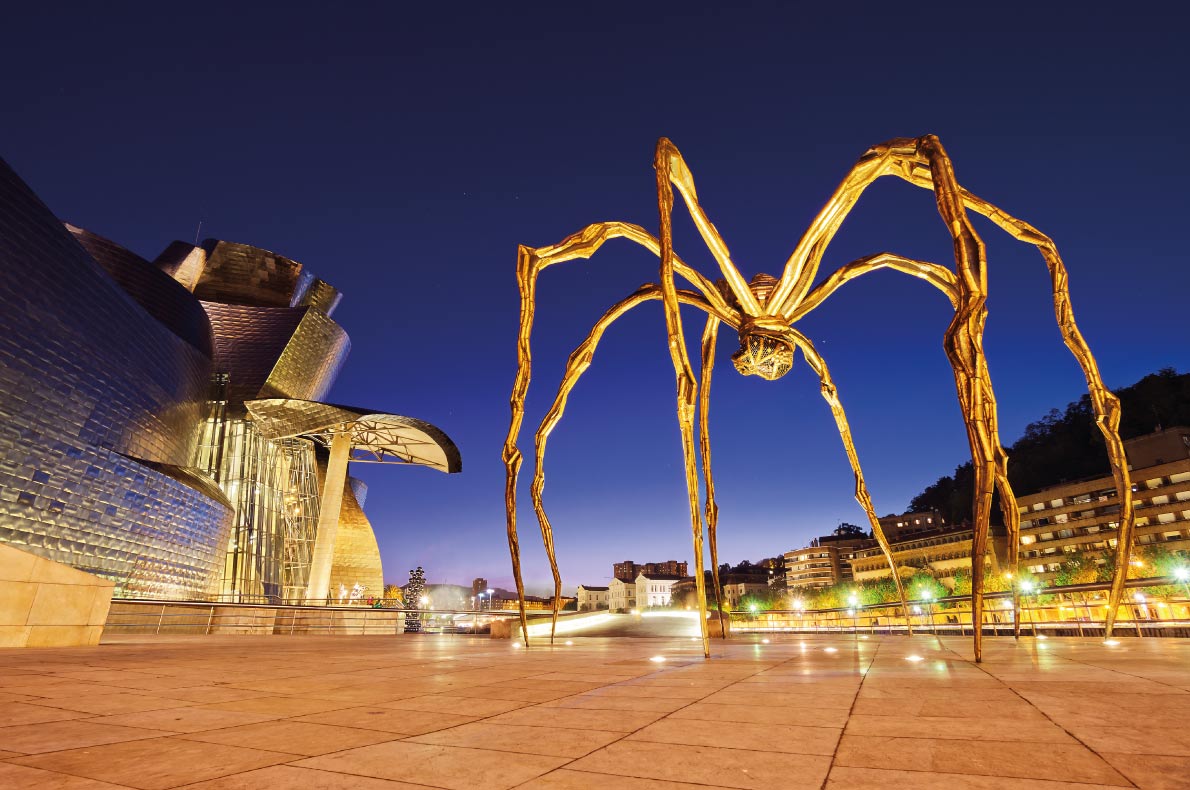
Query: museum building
point(162, 422)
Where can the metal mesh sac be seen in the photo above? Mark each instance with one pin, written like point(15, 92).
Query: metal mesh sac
point(764, 356)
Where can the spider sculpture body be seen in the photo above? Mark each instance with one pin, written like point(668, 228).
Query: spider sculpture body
point(764, 313)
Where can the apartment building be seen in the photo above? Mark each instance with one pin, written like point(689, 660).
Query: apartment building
point(591, 598)
point(621, 595)
point(736, 589)
point(908, 524)
point(826, 561)
point(942, 551)
point(628, 570)
point(1083, 515)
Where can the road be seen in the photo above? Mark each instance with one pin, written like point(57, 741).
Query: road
point(660, 624)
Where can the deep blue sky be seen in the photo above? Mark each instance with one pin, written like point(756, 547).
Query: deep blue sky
point(403, 154)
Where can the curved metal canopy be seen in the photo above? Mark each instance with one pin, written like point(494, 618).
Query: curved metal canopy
point(375, 438)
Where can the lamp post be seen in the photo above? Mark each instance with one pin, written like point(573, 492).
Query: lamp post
point(1027, 589)
point(490, 599)
point(929, 597)
point(1182, 574)
point(853, 599)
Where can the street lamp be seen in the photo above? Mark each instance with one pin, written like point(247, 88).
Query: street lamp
point(929, 599)
point(853, 599)
point(490, 591)
point(1027, 589)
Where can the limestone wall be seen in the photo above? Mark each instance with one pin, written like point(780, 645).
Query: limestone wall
point(47, 604)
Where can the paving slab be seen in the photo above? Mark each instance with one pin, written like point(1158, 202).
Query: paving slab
point(228, 712)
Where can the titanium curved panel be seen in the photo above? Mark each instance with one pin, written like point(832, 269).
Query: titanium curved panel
point(311, 360)
point(247, 275)
point(322, 295)
point(249, 342)
point(162, 296)
point(90, 380)
point(183, 262)
point(357, 556)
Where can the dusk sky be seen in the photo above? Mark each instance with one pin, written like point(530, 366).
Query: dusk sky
point(403, 152)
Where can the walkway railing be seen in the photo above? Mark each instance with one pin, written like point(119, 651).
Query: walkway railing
point(137, 616)
point(1075, 610)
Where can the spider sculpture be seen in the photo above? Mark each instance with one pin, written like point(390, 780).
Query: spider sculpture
point(764, 312)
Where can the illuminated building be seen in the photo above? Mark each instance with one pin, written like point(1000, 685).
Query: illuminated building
point(906, 524)
point(825, 562)
point(1082, 516)
point(655, 589)
point(941, 552)
point(736, 588)
point(591, 598)
point(629, 570)
point(161, 423)
point(621, 595)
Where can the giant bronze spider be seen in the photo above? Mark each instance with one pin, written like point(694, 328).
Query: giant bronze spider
point(764, 312)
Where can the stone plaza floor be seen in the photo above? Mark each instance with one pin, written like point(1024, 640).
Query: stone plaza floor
point(322, 713)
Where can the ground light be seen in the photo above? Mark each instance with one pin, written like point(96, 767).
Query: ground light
point(830, 650)
point(657, 659)
point(914, 658)
point(1111, 642)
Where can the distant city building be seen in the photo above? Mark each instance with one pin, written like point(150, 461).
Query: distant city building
point(1083, 515)
point(655, 589)
point(591, 598)
point(621, 595)
point(532, 602)
point(628, 570)
point(827, 560)
point(736, 588)
point(478, 586)
point(908, 524)
point(942, 552)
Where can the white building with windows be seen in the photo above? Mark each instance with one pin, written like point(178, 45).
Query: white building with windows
point(735, 591)
point(655, 589)
point(591, 598)
point(621, 595)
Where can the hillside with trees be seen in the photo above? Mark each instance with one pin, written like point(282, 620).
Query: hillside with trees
point(1066, 445)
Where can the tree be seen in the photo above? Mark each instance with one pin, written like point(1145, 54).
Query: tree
point(1066, 445)
point(393, 593)
point(1077, 569)
point(845, 530)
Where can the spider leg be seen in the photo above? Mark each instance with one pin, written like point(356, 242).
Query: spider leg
point(831, 394)
point(710, 334)
point(913, 160)
point(669, 159)
point(944, 280)
point(938, 276)
point(530, 262)
point(1104, 401)
point(687, 387)
point(578, 363)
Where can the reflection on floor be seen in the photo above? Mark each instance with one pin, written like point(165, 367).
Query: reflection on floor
point(224, 712)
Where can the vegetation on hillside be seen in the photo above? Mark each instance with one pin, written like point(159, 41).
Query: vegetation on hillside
point(1066, 445)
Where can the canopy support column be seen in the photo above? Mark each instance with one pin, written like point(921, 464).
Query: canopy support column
point(331, 503)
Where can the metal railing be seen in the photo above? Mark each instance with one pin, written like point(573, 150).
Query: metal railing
point(144, 616)
point(1074, 610)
